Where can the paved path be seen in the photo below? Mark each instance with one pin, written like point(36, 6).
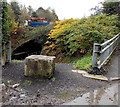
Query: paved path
point(65, 86)
point(102, 96)
point(113, 67)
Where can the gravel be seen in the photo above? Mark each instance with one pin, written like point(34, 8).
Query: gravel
point(63, 87)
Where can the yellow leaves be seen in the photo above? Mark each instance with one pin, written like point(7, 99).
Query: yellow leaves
point(46, 47)
point(60, 27)
point(21, 26)
point(51, 31)
point(52, 46)
point(78, 35)
point(65, 23)
point(49, 48)
point(54, 33)
point(58, 22)
point(57, 27)
point(82, 51)
point(47, 42)
point(62, 39)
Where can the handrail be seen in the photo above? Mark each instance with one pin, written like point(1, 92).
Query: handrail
point(108, 41)
point(101, 52)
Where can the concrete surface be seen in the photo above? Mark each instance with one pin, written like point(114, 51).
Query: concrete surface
point(113, 67)
point(102, 96)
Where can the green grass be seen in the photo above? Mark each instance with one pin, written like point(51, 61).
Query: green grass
point(83, 63)
point(17, 60)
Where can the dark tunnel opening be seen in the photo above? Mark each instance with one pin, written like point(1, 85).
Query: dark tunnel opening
point(29, 48)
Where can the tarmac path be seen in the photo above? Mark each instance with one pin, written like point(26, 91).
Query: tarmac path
point(65, 86)
point(113, 67)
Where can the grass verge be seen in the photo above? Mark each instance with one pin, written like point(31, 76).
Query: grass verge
point(83, 63)
point(17, 60)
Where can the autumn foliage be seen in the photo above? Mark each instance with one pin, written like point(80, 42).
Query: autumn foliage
point(76, 36)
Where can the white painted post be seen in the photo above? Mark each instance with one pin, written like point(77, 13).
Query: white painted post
point(95, 54)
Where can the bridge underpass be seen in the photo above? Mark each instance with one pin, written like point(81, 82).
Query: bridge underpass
point(29, 48)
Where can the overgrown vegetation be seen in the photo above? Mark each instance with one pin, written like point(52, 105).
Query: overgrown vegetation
point(74, 37)
point(25, 34)
point(13, 18)
point(70, 39)
point(6, 23)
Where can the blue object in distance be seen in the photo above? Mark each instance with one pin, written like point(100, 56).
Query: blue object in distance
point(34, 24)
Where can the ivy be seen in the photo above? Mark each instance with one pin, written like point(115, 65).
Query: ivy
point(6, 23)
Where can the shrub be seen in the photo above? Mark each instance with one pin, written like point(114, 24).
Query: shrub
point(76, 36)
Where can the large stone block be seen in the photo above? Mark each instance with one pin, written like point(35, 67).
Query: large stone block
point(39, 65)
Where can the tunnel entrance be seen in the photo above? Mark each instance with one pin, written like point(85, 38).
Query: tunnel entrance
point(31, 47)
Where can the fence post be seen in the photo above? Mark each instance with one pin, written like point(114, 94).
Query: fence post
point(96, 50)
point(9, 52)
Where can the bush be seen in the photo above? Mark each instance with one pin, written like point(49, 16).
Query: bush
point(76, 36)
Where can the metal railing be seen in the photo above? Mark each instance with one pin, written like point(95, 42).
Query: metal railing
point(101, 52)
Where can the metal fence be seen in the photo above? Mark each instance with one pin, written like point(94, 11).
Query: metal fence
point(101, 52)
